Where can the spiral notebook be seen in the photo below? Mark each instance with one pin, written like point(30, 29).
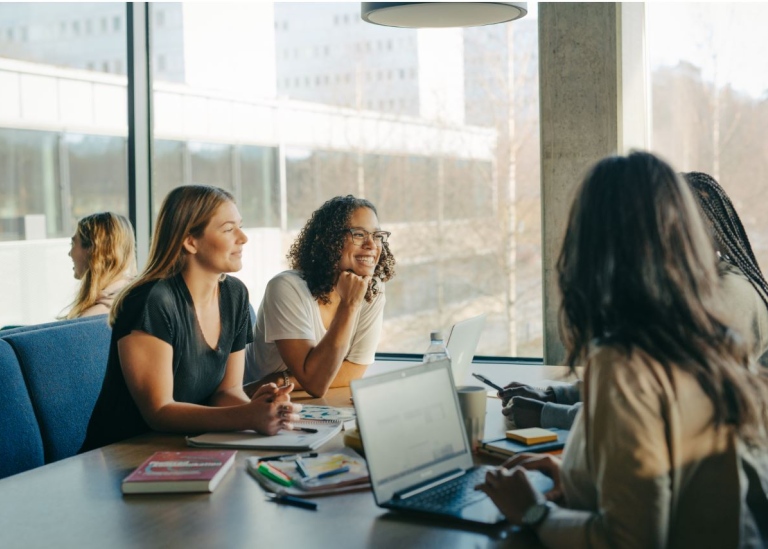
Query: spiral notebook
point(314, 414)
point(285, 440)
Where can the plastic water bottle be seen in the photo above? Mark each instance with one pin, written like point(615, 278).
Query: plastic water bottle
point(437, 349)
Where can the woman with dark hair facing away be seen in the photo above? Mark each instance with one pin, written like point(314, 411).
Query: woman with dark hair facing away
point(745, 292)
point(104, 259)
point(179, 332)
point(670, 402)
point(320, 322)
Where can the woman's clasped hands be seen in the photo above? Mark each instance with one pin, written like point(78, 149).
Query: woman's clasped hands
point(512, 491)
point(273, 410)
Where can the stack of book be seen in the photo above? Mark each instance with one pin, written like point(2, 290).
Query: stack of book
point(535, 439)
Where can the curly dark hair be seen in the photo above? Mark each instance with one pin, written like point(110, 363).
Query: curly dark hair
point(317, 250)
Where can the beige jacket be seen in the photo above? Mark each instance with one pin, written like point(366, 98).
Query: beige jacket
point(746, 310)
point(644, 466)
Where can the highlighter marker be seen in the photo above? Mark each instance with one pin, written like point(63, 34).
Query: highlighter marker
point(274, 474)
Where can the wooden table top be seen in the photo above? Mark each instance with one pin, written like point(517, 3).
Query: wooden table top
point(77, 502)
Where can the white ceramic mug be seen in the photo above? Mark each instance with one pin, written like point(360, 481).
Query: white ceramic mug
point(472, 400)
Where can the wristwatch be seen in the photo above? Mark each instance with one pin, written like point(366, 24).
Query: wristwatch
point(536, 513)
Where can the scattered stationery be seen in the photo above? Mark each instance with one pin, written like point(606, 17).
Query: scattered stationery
point(506, 447)
point(318, 415)
point(532, 435)
point(292, 500)
point(298, 441)
point(188, 471)
point(326, 473)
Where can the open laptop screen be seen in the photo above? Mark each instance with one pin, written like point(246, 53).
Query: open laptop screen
point(411, 426)
point(462, 343)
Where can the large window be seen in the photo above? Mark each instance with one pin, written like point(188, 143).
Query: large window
point(63, 134)
point(288, 105)
point(709, 81)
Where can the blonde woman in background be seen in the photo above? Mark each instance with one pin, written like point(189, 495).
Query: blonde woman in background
point(104, 259)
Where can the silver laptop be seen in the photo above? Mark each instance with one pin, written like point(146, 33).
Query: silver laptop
point(461, 345)
point(416, 446)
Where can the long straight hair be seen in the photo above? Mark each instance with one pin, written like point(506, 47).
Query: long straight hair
point(108, 238)
point(638, 270)
point(186, 211)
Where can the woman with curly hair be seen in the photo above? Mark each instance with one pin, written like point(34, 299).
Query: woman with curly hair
point(319, 323)
point(104, 259)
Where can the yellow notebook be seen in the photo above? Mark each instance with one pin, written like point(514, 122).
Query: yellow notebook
point(532, 435)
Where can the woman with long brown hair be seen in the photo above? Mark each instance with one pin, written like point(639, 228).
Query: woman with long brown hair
point(671, 404)
point(179, 332)
point(104, 260)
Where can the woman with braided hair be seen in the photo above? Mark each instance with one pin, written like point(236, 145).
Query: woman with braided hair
point(744, 287)
point(319, 323)
point(745, 296)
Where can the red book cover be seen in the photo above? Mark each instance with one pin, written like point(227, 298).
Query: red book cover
point(187, 471)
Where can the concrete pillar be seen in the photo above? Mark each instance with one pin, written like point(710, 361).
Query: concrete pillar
point(585, 116)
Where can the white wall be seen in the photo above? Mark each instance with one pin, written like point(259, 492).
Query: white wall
point(37, 282)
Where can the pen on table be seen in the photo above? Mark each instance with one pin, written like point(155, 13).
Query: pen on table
point(301, 468)
point(288, 457)
point(291, 500)
point(330, 473)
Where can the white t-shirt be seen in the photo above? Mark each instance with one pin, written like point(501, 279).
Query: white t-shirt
point(288, 311)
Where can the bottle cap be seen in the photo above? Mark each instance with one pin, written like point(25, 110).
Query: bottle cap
point(436, 335)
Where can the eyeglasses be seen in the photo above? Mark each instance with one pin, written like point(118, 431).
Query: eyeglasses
point(360, 236)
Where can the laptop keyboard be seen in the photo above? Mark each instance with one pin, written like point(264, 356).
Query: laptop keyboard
point(450, 496)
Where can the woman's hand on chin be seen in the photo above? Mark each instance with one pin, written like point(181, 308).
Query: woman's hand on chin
point(352, 288)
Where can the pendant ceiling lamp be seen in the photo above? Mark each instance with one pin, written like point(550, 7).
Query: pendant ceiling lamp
point(441, 14)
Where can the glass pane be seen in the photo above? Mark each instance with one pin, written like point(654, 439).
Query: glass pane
point(439, 129)
point(63, 129)
point(709, 81)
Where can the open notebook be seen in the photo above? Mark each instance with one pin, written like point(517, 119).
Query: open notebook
point(284, 440)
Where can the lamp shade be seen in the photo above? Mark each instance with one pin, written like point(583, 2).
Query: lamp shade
point(441, 14)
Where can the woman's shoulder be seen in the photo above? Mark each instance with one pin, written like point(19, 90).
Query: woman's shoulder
point(287, 280)
point(154, 292)
point(617, 366)
point(234, 285)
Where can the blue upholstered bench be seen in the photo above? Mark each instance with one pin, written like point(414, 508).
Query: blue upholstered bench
point(21, 445)
point(50, 378)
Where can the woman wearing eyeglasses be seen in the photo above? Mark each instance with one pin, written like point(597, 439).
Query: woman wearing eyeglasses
point(319, 324)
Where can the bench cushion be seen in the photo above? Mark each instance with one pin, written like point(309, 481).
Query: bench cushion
point(21, 445)
point(64, 368)
point(33, 327)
